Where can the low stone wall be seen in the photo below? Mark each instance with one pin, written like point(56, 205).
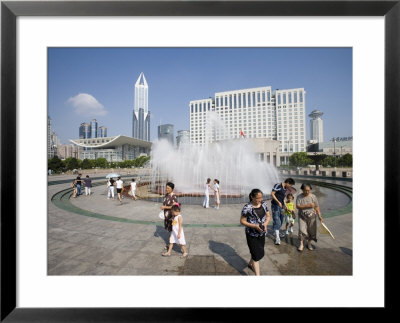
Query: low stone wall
point(325, 172)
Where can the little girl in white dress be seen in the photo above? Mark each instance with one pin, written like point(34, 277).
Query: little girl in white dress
point(177, 236)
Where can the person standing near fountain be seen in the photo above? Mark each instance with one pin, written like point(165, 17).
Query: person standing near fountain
point(255, 217)
point(177, 236)
point(120, 188)
point(206, 201)
point(216, 194)
point(308, 207)
point(170, 199)
point(278, 206)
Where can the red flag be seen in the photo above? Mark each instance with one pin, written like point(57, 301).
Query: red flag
point(242, 134)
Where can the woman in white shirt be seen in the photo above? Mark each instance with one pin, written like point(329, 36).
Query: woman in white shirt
point(133, 189)
point(206, 200)
point(216, 193)
point(120, 184)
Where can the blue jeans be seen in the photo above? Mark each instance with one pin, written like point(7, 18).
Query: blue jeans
point(78, 188)
point(277, 216)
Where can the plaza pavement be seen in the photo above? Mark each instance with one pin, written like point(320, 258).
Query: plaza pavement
point(85, 245)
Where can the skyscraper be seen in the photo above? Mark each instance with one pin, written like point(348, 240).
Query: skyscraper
point(141, 115)
point(182, 138)
point(166, 131)
point(253, 113)
point(102, 132)
point(93, 128)
point(84, 131)
point(316, 126)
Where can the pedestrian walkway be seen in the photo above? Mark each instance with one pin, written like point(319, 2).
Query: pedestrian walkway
point(100, 236)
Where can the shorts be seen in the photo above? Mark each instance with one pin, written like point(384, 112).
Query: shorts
point(289, 219)
point(119, 190)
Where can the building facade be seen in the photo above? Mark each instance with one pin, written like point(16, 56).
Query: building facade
point(182, 138)
point(316, 127)
point(141, 114)
point(67, 151)
point(253, 113)
point(335, 147)
point(102, 132)
point(85, 131)
point(114, 149)
point(166, 131)
point(93, 128)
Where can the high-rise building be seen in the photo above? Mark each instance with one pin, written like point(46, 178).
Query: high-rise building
point(93, 128)
point(84, 131)
point(316, 127)
point(182, 138)
point(166, 131)
point(141, 115)
point(102, 132)
point(253, 113)
point(49, 150)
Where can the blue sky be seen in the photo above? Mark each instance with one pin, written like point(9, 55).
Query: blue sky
point(105, 78)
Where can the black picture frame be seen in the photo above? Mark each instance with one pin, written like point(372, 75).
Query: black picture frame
point(10, 10)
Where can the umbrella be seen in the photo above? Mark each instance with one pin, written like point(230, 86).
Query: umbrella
point(111, 175)
point(324, 230)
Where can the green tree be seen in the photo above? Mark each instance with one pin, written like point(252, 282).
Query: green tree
point(346, 160)
point(300, 159)
point(71, 163)
point(140, 161)
point(101, 162)
point(55, 164)
point(86, 164)
point(328, 161)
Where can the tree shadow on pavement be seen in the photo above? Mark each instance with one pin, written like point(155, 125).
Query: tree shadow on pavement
point(229, 255)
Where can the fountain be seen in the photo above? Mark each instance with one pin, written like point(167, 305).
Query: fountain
point(232, 161)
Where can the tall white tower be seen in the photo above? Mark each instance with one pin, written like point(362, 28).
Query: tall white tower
point(316, 126)
point(141, 115)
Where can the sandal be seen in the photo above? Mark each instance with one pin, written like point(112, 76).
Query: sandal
point(184, 255)
point(166, 254)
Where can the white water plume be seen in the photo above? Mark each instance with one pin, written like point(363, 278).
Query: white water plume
point(232, 161)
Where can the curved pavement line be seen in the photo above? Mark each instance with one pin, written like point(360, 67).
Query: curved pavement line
point(62, 200)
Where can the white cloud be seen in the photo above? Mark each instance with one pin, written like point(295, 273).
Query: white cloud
point(87, 105)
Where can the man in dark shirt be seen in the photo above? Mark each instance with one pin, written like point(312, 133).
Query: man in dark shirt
point(78, 184)
point(278, 205)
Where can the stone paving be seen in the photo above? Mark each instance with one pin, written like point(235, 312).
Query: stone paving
point(85, 245)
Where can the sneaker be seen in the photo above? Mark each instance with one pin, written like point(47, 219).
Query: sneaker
point(291, 229)
point(277, 241)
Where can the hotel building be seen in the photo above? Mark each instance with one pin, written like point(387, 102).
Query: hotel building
point(255, 113)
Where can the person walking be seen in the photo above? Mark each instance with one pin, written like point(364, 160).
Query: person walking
point(88, 185)
point(133, 189)
point(216, 194)
point(255, 217)
point(207, 188)
point(308, 208)
point(110, 188)
point(120, 188)
point(289, 213)
point(278, 205)
point(170, 199)
point(78, 184)
point(73, 184)
point(177, 236)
